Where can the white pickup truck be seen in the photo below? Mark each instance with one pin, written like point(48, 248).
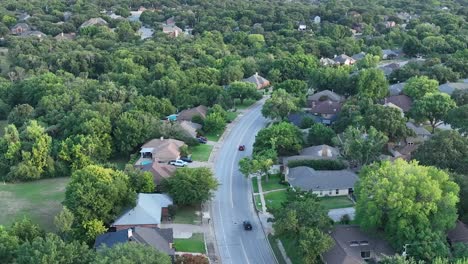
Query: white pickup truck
point(178, 163)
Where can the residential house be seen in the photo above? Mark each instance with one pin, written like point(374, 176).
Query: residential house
point(160, 150)
point(324, 96)
point(258, 80)
point(405, 16)
point(459, 234)
point(421, 134)
point(390, 24)
point(67, 15)
point(449, 87)
point(97, 21)
point(327, 62)
point(344, 59)
point(403, 102)
point(359, 56)
point(160, 171)
point(321, 152)
point(170, 21)
point(65, 36)
point(188, 114)
point(389, 54)
point(317, 20)
point(389, 68)
point(297, 119)
point(396, 89)
point(23, 17)
point(327, 111)
point(172, 30)
point(20, 28)
point(322, 182)
point(150, 210)
point(34, 33)
point(158, 238)
point(354, 246)
point(190, 128)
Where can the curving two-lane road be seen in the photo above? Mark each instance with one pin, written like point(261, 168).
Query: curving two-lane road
point(233, 203)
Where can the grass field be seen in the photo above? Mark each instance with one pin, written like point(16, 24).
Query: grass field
point(194, 244)
point(187, 215)
point(245, 104)
point(201, 152)
point(273, 183)
point(258, 203)
point(38, 200)
point(231, 116)
point(274, 199)
point(336, 202)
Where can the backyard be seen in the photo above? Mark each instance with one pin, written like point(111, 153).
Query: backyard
point(38, 200)
point(201, 152)
point(195, 244)
point(336, 202)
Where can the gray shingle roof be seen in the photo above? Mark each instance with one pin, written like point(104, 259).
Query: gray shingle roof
point(147, 211)
point(312, 180)
point(330, 95)
point(258, 80)
point(419, 130)
point(449, 88)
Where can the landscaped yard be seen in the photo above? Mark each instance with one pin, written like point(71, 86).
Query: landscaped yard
point(274, 199)
point(255, 184)
point(336, 202)
point(201, 152)
point(38, 200)
point(273, 183)
point(214, 136)
point(187, 215)
point(194, 244)
point(231, 116)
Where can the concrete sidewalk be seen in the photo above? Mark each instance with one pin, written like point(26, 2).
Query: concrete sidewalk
point(184, 230)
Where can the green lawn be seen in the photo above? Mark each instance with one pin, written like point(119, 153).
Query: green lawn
point(290, 245)
point(194, 244)
point(231, 116)
point(245, 104)
point(38, 200)
point(336, 202)
point(255, 185)
point(276, 250)
point(258, 203)
point(214, 136)
point(273, 183)
point(274, 199)
point(201, 152)
point(187, 215)
point(3, 124)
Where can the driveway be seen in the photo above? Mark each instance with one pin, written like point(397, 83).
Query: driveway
point(233, 201)
point(336, 214)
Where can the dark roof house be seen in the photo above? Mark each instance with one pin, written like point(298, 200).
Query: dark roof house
point(353, 246)
point(160, 239)
point(459, 234)
point(160, 150)
point(326, 107)
point(188, 114)
point(313, 180)
point(298, 118)
point(404, 102)
point(344, 59)
point(258, 80)
point(160, 171)
point(323, 96)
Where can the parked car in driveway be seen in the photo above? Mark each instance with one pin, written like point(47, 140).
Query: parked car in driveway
point(186, 159)
point(178, 163)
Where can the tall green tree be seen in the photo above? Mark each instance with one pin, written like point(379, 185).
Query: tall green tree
point(388, 120)
point(458, 118)
point(418, 86)
point(320, 134)
point(362, 146)
point(260, 163)
point(20, 115)
point(129, 253)
point(371, 83)
point(432, 107)
point(243, 90)
point(412, 204)
point(8, 246)
point(284, 138)
point(191, 186)
point(280, 105)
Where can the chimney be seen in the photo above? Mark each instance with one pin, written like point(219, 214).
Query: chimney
point(162, 138)
point(129, 234)
point(256, 73)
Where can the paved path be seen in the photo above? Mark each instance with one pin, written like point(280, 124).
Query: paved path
point(184, 230)
point(336, 214)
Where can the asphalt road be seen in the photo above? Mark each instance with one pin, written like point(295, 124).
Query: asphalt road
point(233, 203)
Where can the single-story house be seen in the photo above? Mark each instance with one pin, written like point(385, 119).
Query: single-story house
point(258, 80)
point(23, 16)
point(160, 150)
point(344, 59)
point(321, 152)
point(159, 239)
point(150, 210)
point(359, 56)
point(20, 28)
point(324, 96)
point(327, 62)
point(190, 128)
point(298, 118)
point(396, 89)
point(327, 110)
point(402, 101)
point(449, 88)
point(97, 21)
point(389, 68)
point(65, 36)
point(323, 182)
point(421, 134)
point(354, 246)
point(388, 54)
point(170, 21)
point(160, 171)
point(459, 234)
point(35, 33)
point(172, 30)
point(188, 114)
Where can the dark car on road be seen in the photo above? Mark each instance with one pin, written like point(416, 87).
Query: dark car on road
point(247, 225)
point(241, 147)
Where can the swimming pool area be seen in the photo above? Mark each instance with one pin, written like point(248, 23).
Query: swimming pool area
point(146, 162)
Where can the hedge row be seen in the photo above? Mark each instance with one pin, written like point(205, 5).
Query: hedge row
point(318, 164)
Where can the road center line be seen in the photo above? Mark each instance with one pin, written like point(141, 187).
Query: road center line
point(223, 231)
point(243, 251)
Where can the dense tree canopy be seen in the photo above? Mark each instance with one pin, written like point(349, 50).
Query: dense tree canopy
point(362, 146)
point(280, 105)
point(410, 203)
point(283, 137)
point(432, 107)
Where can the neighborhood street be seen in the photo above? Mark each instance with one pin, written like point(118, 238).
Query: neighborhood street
point(233, 201)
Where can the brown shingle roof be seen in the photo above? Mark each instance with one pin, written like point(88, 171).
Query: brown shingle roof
point(160, 171)
point(188, 114)
point(402, 101)
point(326, 107)
point(164, 149)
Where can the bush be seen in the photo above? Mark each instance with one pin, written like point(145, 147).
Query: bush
point(318, 164)
point(306, 122)
point(320, 134)
point(198, 119)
